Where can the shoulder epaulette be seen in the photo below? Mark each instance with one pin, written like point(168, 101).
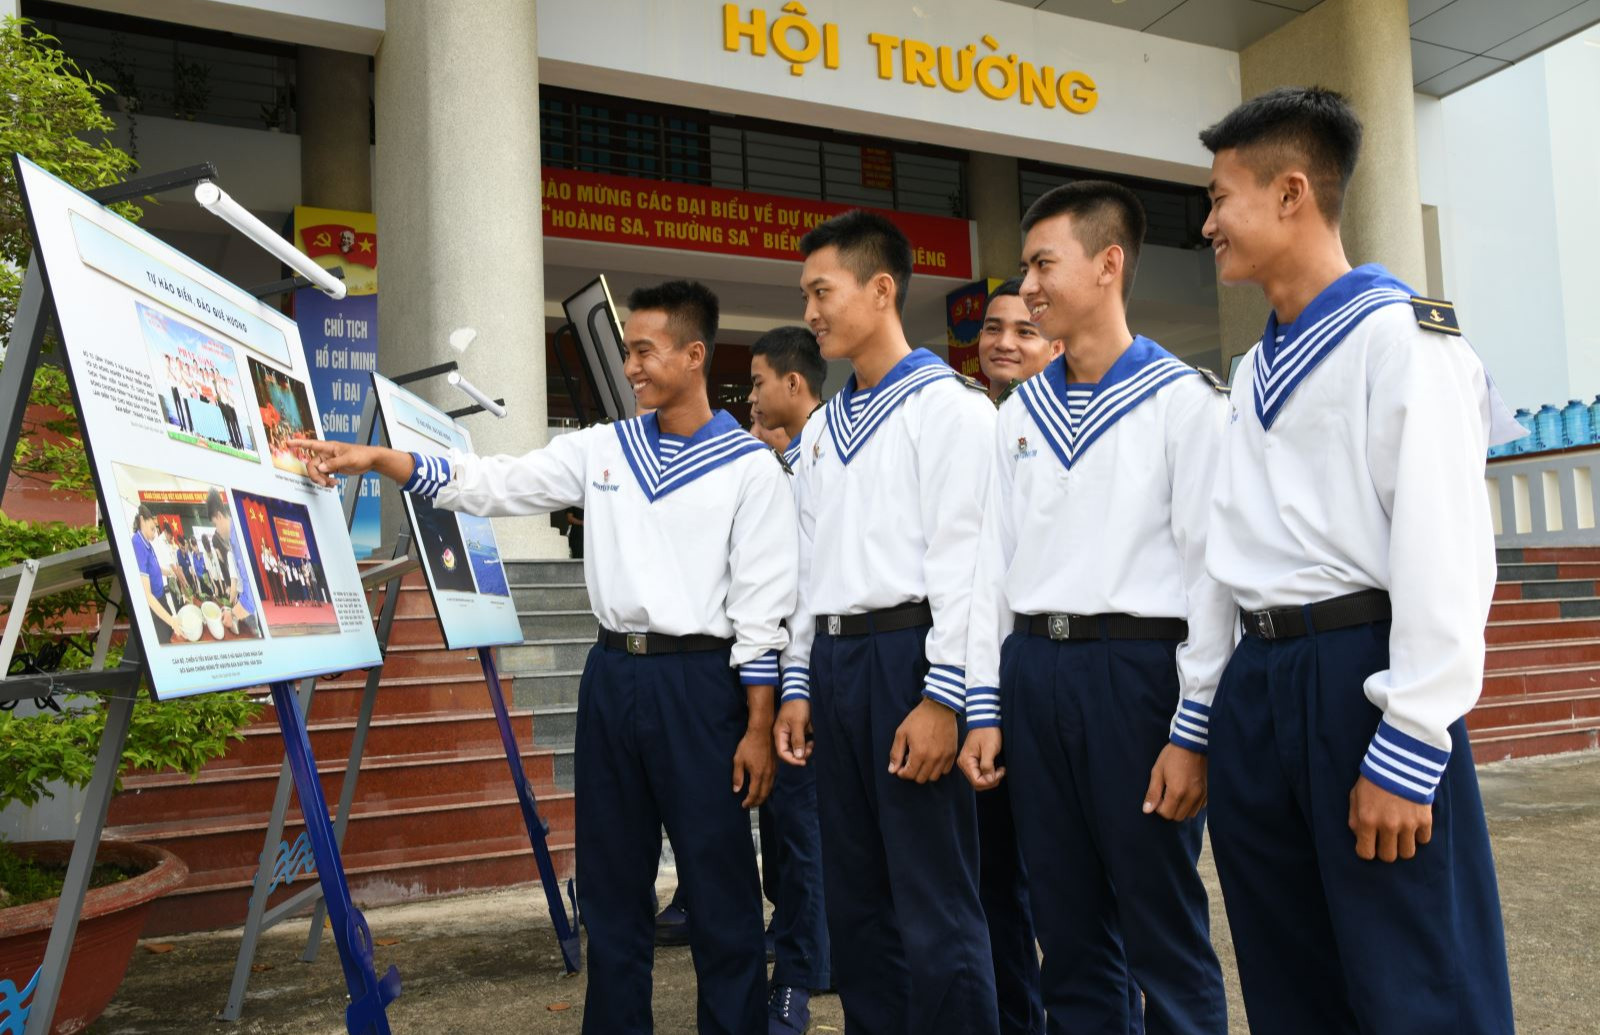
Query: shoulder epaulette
point(782, 462)
point(1213, 380)
point(973, 383)
point(1435, 315)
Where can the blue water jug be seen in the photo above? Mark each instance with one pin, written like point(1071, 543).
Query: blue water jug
point(1594, 418)
point(1575, 423)
point(1547, 429)
point(1525, 444)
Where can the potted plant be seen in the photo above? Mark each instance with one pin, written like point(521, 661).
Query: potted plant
point(49, 109)
point(191, 87)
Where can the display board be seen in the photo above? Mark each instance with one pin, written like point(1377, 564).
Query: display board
point(460, 557)
point(240, 570)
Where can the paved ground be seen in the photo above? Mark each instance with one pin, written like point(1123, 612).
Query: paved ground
point(487, 964)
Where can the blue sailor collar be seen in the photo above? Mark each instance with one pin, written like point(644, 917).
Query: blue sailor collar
point(791, 456)
point(1142, 368)
point(719, 441)
point(1280, 366)
point(851, 430)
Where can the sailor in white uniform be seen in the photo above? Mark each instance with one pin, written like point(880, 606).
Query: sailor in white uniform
point(1091, 573)
point(890, 481)
point(1351, 525)
point(691, 569)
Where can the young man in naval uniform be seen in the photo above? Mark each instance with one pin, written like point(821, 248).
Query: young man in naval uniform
point(691, 569)
point(1091, 573)
point(787, 373)
point(889, 485)
point(1351, 526)
point(1010, 347)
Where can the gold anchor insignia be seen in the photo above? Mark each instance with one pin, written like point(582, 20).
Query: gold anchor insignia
point(1435, 316)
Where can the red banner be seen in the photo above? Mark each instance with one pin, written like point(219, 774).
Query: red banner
point(624, 210)
point(343, 241)
point(291, 538)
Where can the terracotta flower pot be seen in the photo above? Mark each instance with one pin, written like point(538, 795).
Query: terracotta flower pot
point(109, 928)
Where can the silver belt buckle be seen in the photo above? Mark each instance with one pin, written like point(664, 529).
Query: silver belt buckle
point(638, 643)
point(1060, 627)
point(835, 623)
point(1264, 625)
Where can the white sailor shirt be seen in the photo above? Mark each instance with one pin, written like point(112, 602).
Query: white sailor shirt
point(891, 480)
point(1098, 504)
point(683, 537)
point(1353, 460)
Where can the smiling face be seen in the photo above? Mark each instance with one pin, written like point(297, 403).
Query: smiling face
point(1062, 283)
point(659, 368)
point(841, 311)
point(1010, 347)
point(1246, 226)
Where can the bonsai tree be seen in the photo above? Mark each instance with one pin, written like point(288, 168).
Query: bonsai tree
point(51, 112)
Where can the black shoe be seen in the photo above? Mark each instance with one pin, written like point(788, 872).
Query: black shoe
point(672, 926)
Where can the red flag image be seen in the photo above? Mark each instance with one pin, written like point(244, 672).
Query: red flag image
point(340, 240)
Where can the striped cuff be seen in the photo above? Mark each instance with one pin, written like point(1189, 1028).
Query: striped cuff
point(1191, 727)
point(763, 671)
point(1404, 765)
point(796, 685)
point(947, 684)
point(429, 474)
point(983, 707)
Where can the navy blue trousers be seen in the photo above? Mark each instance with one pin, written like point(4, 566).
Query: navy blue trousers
point(1117, 901)
point(1328, 942)
point(899, 859)
point(1003, 890)
point(655, 744)
point(791, 850)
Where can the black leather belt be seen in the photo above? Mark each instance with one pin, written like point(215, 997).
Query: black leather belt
point(660, 643)
point(1095, 627)
point(890, 619)
point(1282, 623)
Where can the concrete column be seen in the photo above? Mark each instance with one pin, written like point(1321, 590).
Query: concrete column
point(333, 94)
point(996, 207)
point(457, 189)
point(1362, 48)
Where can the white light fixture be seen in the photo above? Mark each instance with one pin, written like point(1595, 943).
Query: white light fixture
point(473, 393)
point(215, 199)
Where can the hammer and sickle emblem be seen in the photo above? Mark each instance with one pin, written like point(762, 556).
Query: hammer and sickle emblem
point(324, 239)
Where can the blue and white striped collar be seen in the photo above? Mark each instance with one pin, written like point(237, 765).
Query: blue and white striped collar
point(719, 441)
point(851, 430)
point(1280, 366)
point(791, 456)
point(1142, 368)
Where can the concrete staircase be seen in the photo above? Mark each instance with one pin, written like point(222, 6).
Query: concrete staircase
point(1541, 687)
point(435, 812)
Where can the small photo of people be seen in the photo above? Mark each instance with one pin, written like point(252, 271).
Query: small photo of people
point(191, 574)
point(442, 545)
point(198, 386)
point(286, 412)
point(287, 563)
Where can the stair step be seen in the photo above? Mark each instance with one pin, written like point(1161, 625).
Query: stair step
point(221, 898)
point(554, 655)
point(1555, 607)
point(1547, 554)
point(1495, 714)
point(1545, 589)
point(219, 793)
point(559, 625)
point(545, 690)
point(226, 842)
point(555, 728)
point(400, 697)
point(389, 735)
point(1542, 655)
point(544, 573)
point(1542, 630)
point(1539, 679)
point(550, 598)
point(1589, 569)
point(1535, 740)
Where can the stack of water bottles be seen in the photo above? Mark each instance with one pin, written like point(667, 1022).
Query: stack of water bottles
point(1575, 424)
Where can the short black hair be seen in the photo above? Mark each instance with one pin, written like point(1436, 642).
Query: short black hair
point(1103, 213)
point(868, 245)
point(145, 513)
point(1295, 123)
point(794, 350)
point(691, 308)
point(215, 504)
point(1010, 287)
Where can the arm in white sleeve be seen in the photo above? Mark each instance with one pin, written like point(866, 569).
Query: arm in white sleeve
point(762, 570)
point(795, 659)
point(991, 616)
point(1427, 436)
point(1196, 422)
point(954, 457)
point(495, 486)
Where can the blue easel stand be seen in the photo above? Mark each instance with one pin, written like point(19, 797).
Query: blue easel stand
point(538, 829)
point(368, 995)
